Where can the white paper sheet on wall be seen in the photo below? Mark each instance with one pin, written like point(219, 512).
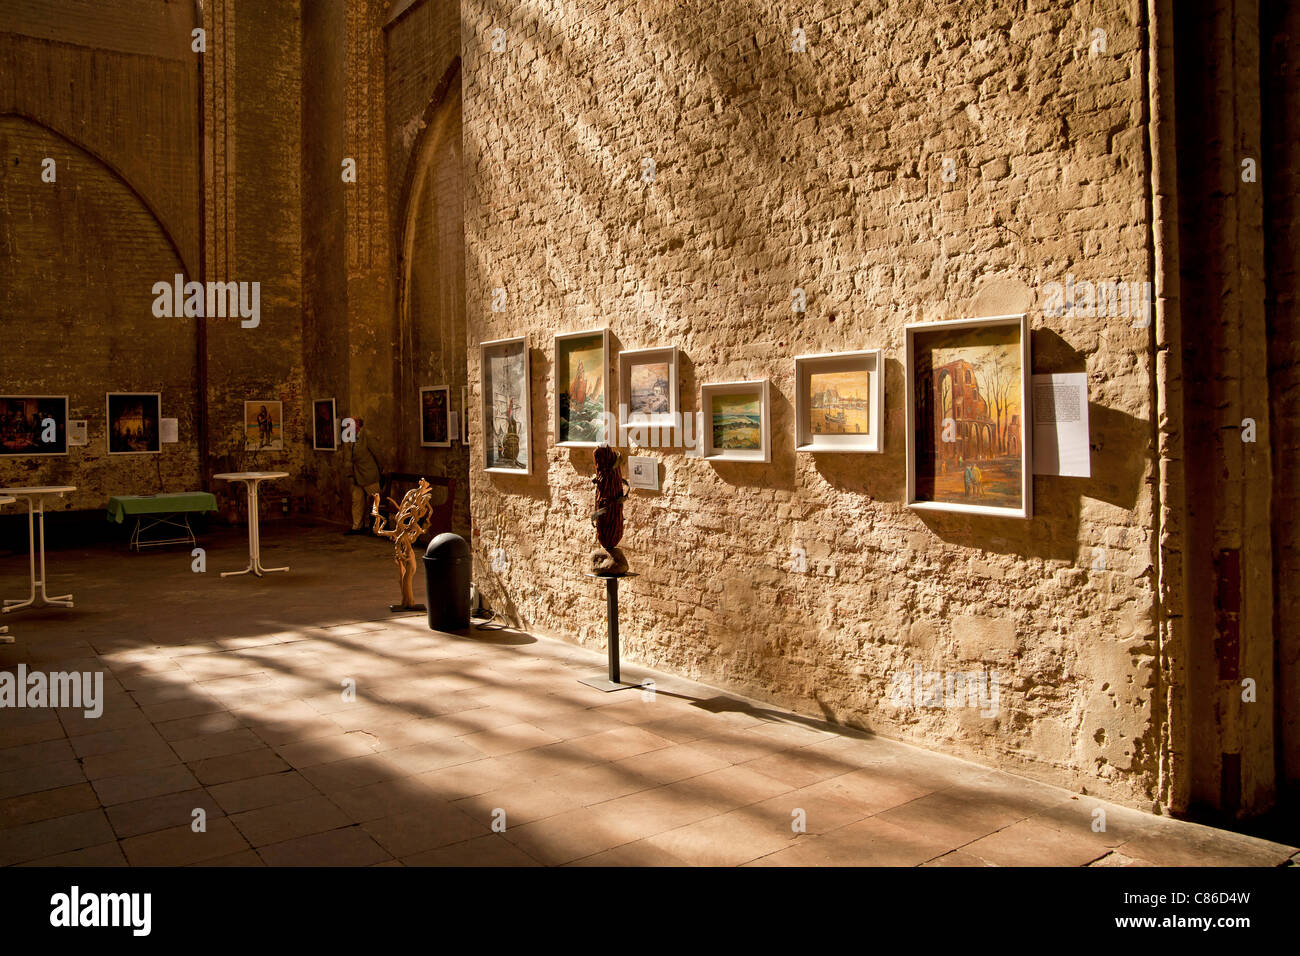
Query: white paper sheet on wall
point(453, 426)
point(77, 433)
point(168, 431)
point(1060, 410)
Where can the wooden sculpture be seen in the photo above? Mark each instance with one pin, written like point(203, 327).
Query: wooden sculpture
point(410, 521)
point(611, 489)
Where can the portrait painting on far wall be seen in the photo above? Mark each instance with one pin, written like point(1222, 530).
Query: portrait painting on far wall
point(969, 426)
point(264, 426)
point(435, 416)
point(133, 419)
point(323, 435)
point(33, 425)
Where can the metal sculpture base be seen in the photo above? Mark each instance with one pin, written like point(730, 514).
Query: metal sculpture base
point(613, 679)
point(412, 608)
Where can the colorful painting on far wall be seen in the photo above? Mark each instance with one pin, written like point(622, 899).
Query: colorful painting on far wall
point(33, 425)
point(435, 416)
point(737, 422)
point(581, 378)
point(839, 402)
point(968, 420)
point(323, 434)
point(264, 426)
point(133, 423)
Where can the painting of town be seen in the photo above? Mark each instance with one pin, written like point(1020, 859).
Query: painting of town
point(264, 426)
point(133, 423)
point(649, 389)
point(840, 402)
point(580, 372)
point(737, 422)
point(505, 412)
point(968, 422)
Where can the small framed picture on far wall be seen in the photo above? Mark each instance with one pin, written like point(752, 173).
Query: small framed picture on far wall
point(324, 433)
point(435, 416)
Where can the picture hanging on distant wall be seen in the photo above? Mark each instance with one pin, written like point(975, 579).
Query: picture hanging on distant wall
point(324, 435)
point(464, 415)
point(264, 426)
point(967, 429)
point(133, 423)
point(581, 373)
point(435, 416)
point(507, 422)
point(33, 425)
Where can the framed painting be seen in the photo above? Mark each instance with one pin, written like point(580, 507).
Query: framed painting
point(581, 374)
point(435, 416)
point(324, 436)
point(464, 415)
point(839, 402)
point(264, 426)
point(133, 423)
point(507, 423)
point(968, 433)
point(647, 395)
point(33, 425)
point(737, 423)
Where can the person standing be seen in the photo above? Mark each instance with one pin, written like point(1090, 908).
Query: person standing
point(364, 465)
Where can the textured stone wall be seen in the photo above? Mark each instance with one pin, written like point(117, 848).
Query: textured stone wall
point(824, 170)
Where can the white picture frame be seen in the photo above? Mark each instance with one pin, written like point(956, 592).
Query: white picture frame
point(512, 381)
point(995, 436)
point(433, 422)
point(716, 420)
point(656, 426)
point(843, 371)
point(592, 428)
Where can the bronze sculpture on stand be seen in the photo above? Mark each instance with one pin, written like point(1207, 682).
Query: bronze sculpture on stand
point(611, 489)
point(409, 522)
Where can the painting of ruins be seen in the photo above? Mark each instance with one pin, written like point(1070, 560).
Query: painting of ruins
point(967, 383)
point(133, 423)
point(33, 425)
point(580, 366)
point(506, 421)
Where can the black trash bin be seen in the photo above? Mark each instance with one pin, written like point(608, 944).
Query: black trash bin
point(447, 568)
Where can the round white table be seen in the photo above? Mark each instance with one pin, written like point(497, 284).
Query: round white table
point(5, 636)
point(36, 544)
point(251, 480)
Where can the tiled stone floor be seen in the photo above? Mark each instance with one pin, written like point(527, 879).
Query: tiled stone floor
point(226, 696)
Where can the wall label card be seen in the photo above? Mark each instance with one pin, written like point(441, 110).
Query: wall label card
point(643, 472)
point(1060, 410)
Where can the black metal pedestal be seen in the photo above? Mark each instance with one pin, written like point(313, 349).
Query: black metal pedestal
point(613, 679)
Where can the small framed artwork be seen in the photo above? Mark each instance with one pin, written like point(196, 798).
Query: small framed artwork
point(78, 433)
point(647, 394)
point(507, 423)
point(33, 425)
point(435, 416)
point(464, 415)
point(839, 402)
point(264, 426)
point(968, 436)
point(324, 435)
point(737, 421)
point(581, 371)
point(133, 423)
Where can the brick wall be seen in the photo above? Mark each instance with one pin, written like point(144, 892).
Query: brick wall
point(824, 170)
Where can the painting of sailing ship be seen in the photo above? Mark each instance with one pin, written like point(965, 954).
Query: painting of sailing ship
point(580, 368)
point(840, 402)
point(969, 439)
point(505, 412)
point(737, 422)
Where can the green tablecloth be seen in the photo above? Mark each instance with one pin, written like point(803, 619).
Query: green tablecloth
point(120, 506)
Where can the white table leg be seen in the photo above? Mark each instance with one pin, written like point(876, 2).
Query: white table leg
point(36, 542)
point(252, 532)
point(257, 546)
